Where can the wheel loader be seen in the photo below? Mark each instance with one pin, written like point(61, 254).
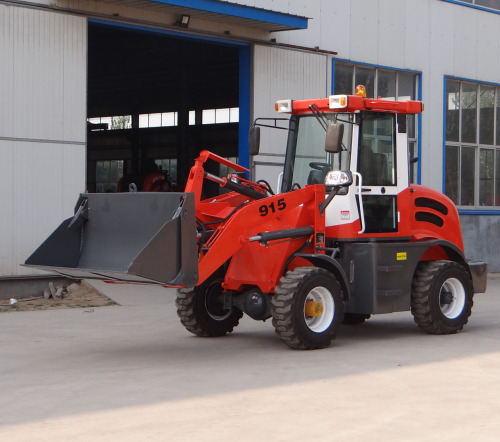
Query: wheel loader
point(344, 237)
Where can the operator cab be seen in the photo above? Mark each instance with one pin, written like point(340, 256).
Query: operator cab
point(372, 130)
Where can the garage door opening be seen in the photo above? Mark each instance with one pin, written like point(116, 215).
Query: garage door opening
point(154, 102)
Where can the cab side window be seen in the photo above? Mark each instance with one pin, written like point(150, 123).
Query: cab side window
point(377, 149)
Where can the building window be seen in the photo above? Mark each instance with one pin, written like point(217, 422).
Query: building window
point(113, 123)
point(168, 165)
point(108, 173)
point(224, 170)
point(220, 116)
point(192, 117)
point(386, 83)
point(472, 149)
point(166, 119)
point(160, 119)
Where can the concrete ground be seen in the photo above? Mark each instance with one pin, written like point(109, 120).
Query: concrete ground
point(133, 373)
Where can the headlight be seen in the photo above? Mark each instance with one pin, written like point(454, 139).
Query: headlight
point(338, 178)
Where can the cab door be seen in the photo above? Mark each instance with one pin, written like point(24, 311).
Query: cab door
point(377, 163)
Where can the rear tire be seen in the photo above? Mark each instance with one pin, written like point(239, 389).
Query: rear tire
point(301, 289)
point(201, 310)
point(442, 297)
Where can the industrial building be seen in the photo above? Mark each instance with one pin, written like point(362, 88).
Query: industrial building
point(93, 91)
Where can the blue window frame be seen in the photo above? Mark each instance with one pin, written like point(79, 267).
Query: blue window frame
point(275, 21)
point(472, 145)
point(484, 5)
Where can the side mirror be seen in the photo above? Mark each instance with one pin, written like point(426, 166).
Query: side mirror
point(254, 140)
point(334, 135)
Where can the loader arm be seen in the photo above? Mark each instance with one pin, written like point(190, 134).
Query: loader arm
point(197, 173)
point(261, 263)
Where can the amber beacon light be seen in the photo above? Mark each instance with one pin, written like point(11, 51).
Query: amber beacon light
point(360, 91)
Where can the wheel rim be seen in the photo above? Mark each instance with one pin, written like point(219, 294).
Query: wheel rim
point(213, 303)
point(452, 298)
point(322, 296)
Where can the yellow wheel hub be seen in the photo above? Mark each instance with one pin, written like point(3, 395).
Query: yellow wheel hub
point(314, 309)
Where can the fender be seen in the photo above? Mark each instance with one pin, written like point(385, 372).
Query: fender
point(477, 270)
point(453, 252)
point(330, 264)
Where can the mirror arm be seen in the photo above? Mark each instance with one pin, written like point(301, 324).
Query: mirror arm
point(320, 116)
point(328, 200)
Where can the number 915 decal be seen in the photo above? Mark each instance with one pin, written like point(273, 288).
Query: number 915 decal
point(266, 209)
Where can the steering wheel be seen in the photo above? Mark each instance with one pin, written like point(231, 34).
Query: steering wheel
point(319, 166)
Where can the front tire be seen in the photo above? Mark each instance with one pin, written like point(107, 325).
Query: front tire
point(307, 308)
point(201, 310)
point(442, 297)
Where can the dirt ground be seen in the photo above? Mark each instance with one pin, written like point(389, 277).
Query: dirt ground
point(84, 296)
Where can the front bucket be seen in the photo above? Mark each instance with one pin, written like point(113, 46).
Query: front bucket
point(130, 237)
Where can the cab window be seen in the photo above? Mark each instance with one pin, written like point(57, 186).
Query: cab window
point(377, 149)
point(306, 161)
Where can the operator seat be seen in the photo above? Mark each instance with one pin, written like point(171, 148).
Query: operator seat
point(316, 177)
point(373, 167)
point(380, 169)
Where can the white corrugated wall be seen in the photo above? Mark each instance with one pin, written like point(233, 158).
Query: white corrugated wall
point(281, 74)
point(43, 58)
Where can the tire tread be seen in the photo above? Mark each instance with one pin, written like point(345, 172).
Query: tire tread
point(422, 300)
point(282, 308)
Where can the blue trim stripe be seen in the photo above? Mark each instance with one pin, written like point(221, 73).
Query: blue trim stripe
point(470, 5)
point(244, 105)
point(445, 106)
point(246, 12)
point(177, 34)
point(419, 125)
point(376, 66)
point(488, 212)
point(488, 83)
point(332, 84)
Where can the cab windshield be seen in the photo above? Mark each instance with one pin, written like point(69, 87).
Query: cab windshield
point(306, 161)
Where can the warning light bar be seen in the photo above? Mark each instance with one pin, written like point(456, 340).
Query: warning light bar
point(349, 103)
